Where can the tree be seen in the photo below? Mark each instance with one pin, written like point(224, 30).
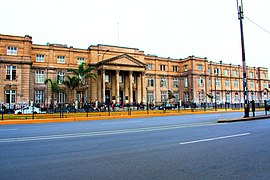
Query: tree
point(71, 83)
point(54, 89)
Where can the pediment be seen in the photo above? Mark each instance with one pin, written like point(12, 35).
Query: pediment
point(122, 60)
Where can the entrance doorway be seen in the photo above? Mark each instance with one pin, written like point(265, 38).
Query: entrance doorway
point(107, 96)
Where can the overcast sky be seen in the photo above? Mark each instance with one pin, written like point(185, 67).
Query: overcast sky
point(171, 28)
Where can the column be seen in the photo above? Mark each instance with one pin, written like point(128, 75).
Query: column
point(143, 87)
point(117, 86)
point(139, 88)
point(103, 86)
point(130, 87)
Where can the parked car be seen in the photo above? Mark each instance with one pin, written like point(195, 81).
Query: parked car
point(267, 104)
point(28, 110)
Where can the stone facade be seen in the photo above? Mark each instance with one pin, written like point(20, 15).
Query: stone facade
point(123, 75)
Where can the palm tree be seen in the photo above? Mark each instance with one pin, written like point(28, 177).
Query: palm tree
point(81, 74)
point(54, 89)
point(71, 83)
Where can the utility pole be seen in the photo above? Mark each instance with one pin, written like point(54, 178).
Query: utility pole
point(245, 89)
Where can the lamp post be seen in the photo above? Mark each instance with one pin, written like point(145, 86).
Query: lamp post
point(9, 97)
point(245, 89)
point(215, 92)
point(147, 103)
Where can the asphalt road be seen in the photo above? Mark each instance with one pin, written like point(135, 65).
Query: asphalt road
point(178, 147)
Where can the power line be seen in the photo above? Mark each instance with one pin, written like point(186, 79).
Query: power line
point(258, 25)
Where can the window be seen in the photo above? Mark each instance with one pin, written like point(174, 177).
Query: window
point(150, 66)
point(120, 79)
point(227, 97)
point(209, 70)
point(235, 72)
point(162, 82)
point(263, 75)
point(185, 68)
point(10, 96)
point(61, 97)
point(163, 96)
point(40, 77)
point(11, 50)
point(252, 96)
point(264, 85)
point(209, 82)
point(175, 82)
point(39, 97)
point(150, 82)
point(80, 60)
point(133, 79)
point(150, 96)
point(11, 72)
point(201, 96)
point(226, 72)
point(251, 84)
point(39, 58)
point(251, 74)
point(60, 77)
point(175, 69)
point(185, 82)
point(60, 59)
point(217, 71)
point(236, 97)
point(200, 67)
point(162, 67)
point(186, 97)
point(217, 82)
point(176, 97)
point(227, 84)
point(235, 83)
point(107, 78)
point(218, 96)
point(200, 81)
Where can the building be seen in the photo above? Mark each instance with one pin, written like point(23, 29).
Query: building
point(125, 75)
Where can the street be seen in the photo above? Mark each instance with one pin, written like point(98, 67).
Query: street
point(170, 147)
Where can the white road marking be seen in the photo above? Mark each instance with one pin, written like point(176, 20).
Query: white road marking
point(123, 122)
point(213, 139)
point(208, 116)
point(103, 133)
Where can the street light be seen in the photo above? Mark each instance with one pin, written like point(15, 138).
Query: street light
point(245, 89)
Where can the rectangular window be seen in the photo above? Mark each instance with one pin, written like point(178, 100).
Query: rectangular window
point(218, 96)
point(60, 77)
point(60, 59)
point(163, 96)
point(236, 97)
point(226, 72)
point(186, 97)
point(235, 83)
point(217, 71)
point(107, 78)
point(251, 74)
point(251, 84)
point(200, 81)
point(10, 96)
point(11, 50)
point(176, 97)
point(185, 82)
point(40, 77)
point(11, 72)
point(227, 97)
point(133, 79)
point(175, 69)
point(40, 58)
point(80, 60)
point(209, 70)
point(162, 67)
point(120, 79)
point(151, 82)
point(264, 85)
point(200, 67)
point(39, 97)
point(201, 96)
point(235, 72)
point(150, 97)
point(185, 68)
point(149, 66)
point(162, 82)
point(227, 84)
point(217, 82)
point(263, 75)
point(175, 82)
point(61, 97)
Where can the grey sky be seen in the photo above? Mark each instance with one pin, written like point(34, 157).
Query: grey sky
point(171, 28)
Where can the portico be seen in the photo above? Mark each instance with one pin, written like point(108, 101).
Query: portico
point(120, 80)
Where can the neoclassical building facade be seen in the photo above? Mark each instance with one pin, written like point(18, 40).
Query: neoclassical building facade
point(124, 74)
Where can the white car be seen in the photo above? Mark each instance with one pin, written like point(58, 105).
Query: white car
point(28, 110)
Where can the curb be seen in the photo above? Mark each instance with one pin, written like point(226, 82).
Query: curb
point(243, 119)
